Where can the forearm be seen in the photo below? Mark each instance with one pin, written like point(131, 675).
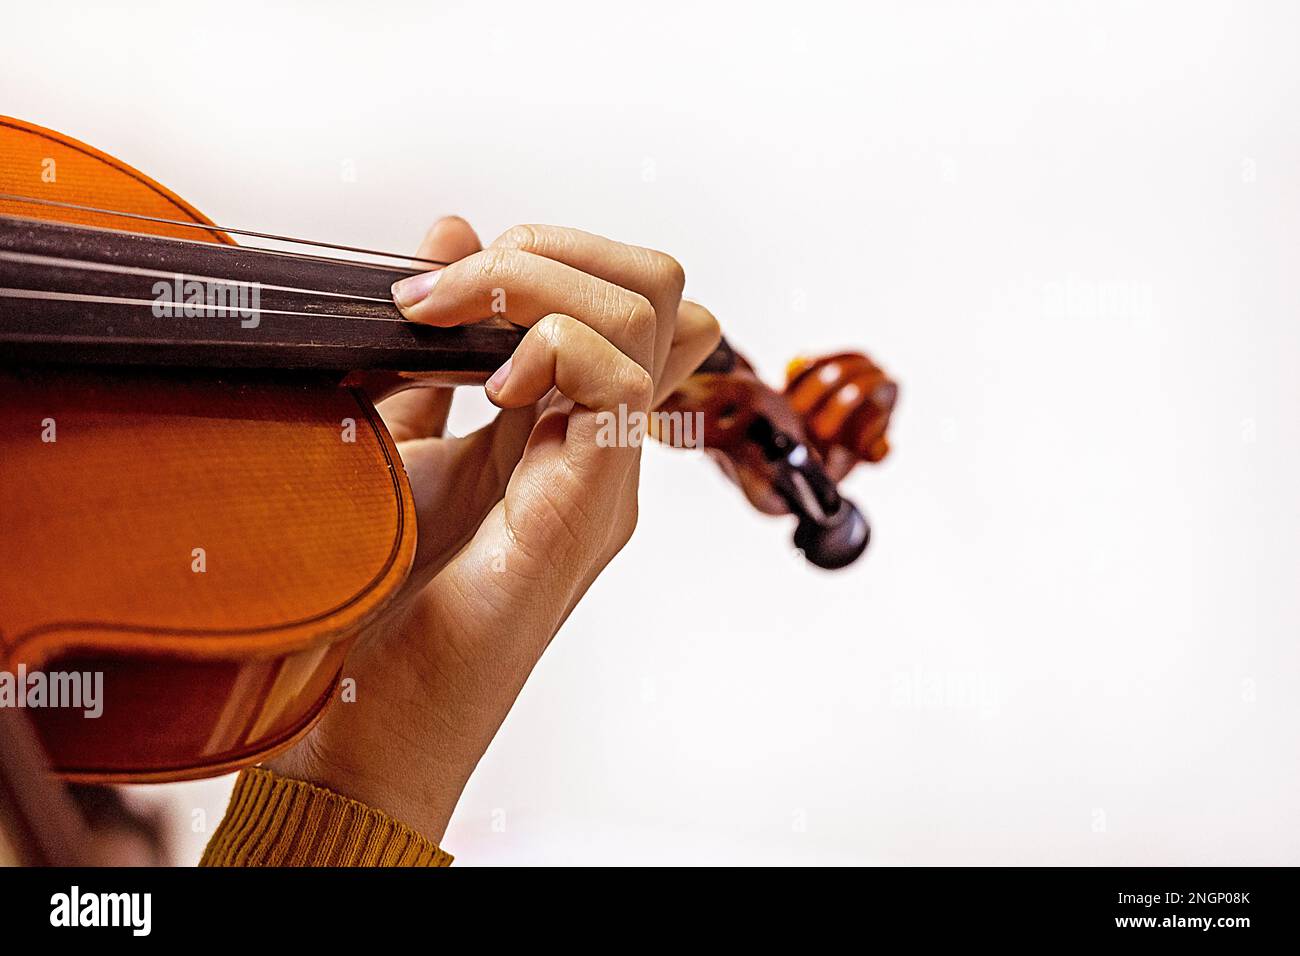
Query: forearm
point(407, 746)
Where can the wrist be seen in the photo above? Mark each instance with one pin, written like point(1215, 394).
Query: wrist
point(383, 777)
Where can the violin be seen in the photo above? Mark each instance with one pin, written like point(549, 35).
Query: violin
point(152, 429)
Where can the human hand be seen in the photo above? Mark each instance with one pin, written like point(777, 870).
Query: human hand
point(515, 520)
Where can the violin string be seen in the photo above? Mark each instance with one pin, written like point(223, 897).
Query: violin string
point(13, 197)
point(224, 248)
point(60, 262)
point(116, 300)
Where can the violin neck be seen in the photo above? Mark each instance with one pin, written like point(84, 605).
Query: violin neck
point(82, 295)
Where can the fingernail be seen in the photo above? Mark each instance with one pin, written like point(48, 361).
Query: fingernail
point(407, 292)
point(499, 377)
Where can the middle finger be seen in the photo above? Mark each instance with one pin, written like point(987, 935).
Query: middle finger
point(655, 275)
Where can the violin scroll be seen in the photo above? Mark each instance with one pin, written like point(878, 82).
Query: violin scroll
point(845, 401)
point(787, 450)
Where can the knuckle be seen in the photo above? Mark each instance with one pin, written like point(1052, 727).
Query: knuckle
point(638, 386)
point(665, 271)
point(497, 263)
point(522, 236)
point(640, 319)
point(706, 324)
point(553, 328)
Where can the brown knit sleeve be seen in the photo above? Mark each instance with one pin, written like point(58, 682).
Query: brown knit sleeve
point(275, 821)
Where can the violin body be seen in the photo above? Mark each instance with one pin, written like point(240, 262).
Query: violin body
point(210, 553)
point(209, 542)
point(207, 513)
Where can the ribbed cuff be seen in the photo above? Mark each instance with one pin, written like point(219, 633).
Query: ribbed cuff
point(275, 821)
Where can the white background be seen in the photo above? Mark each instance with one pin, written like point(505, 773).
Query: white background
point(1069, 230)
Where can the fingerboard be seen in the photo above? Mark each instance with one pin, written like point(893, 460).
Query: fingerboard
point(83, 295)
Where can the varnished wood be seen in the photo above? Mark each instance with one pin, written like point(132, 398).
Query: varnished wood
point(845, 401)
point(304, 536)
point(35, 161)
point(291, 486)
